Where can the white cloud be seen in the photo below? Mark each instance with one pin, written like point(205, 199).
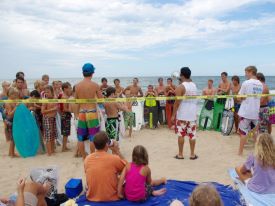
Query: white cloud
point(112, 29)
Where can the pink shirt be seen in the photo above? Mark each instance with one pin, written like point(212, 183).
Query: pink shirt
point(135, 184)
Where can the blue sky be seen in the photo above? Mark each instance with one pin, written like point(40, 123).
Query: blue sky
point(136, 37)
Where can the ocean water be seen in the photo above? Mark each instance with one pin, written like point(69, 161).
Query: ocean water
point(201, 81)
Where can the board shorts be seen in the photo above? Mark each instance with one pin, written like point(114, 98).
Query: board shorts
point(263, 119)
point(112, 128)
point(49, 128)
point(88, 125)
point(39, 119)
point(9, 122)
point(186, 128)
point(129, 119)
point(237, 107)
point(66, 124)
point(246, 125)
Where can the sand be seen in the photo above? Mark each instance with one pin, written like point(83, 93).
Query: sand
point(216, 155)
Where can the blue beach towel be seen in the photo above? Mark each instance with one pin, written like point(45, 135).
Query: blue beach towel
point(252, 198)
point(175, 190)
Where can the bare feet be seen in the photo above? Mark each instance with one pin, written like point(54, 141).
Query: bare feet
point(14, 156)
point(66, 149)
point(159, 192)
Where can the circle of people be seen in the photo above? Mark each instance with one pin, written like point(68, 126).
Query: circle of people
point(135, 182)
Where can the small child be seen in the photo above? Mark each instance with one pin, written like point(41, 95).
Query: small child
point(36, 108)
point(129, 117)
point(4, 96)
point(203, 195)
point(49, 112)
point(112, 109)
point(258, 172)
point(151, 116)
point(137, 177)
point(66, 115)
point(9, 111)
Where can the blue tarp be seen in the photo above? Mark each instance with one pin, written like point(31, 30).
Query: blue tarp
point(175, 190)
point(252, 198)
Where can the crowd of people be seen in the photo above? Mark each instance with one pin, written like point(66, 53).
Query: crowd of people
point(109, 176)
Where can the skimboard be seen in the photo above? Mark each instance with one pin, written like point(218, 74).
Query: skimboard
point(59, 139)
point(25, 132)
point(206, 115)
point(228, 117)
point(162, 111)
point(217, 115)
point(137, 109)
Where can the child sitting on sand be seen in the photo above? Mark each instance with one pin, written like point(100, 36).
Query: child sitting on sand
point(129, 117)
point(112, 109)
point(203, 195)
point(9, 111)
point(49, 111)
point(137, 177)
point(258, 172)
point(66, 115)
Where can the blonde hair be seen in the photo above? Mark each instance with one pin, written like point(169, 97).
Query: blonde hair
point(38, 83)
point(251, 69)
point(265, 150)
point(12, 90)
point(205, 195)
point(5, 83)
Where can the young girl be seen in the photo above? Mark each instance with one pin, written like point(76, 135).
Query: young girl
point(258, 172)
point(137, 177)
point(9, 111)
point(49, 112)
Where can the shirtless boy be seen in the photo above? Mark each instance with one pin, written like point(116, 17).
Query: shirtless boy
point(49, 112)
point(160, 90)
point(224, 86)
point(112, 109)
point(19, 84)
point(104, 85)
point(129, 117)
point(10, 110)
point(264, 124)
point(119, 89)
point(66, 115)
point(135, 90)
point(169, 92)
point(209, 90)
point(88, 122)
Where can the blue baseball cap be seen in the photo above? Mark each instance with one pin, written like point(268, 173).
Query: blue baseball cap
point(88, 68)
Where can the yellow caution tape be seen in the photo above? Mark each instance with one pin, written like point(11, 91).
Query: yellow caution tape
point(132, 99)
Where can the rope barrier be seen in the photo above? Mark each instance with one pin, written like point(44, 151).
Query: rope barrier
point(132, 99)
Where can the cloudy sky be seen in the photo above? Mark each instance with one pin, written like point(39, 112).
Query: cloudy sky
point(136, 37)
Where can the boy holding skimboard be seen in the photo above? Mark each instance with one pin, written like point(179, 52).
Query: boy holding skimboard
point(10, 108)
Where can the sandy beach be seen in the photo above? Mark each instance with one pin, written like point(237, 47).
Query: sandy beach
point(216, 155)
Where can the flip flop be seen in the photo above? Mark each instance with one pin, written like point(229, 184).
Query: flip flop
point(178, 158)
point(194, 158)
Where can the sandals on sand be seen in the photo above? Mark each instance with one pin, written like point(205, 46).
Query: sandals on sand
point(194, 158)
point(178, 157)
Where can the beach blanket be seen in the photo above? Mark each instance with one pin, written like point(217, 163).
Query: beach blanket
point(251, 198)
point(175, 190)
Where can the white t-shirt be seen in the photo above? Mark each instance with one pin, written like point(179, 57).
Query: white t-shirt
point(250, 107)
point(187, 110)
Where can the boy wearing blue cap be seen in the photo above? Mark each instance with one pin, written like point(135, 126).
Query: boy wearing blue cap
point(88, 121)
